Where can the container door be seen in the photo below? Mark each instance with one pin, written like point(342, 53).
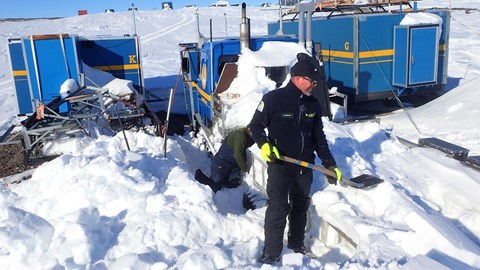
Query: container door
point(190, 70)
point(423, 55)
point(401, 55)
point(20, 77)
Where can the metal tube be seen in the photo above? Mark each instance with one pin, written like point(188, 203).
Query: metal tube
point(121, 126)
point(64, 53)
point(37, 73)
point(139, 64)
point(309, 43)
point(134, 21)
point(301, 28)
point(199, 35)
point(212, 62)
point(226, 25)
point(280, 18)
point(244, 29)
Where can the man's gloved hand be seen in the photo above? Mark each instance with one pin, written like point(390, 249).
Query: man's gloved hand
point(269, 152)
point(333, 180)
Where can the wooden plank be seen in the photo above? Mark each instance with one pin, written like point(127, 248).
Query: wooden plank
point(229, 73)
point(50, 36)
point(331, 5)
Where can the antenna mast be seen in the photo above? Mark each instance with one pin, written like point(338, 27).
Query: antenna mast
point(134, 23)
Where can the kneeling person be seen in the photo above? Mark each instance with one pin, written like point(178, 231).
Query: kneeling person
point(229, 163)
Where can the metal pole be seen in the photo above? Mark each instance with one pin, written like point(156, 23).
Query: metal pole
point(309, 43)
point(301, 28)
point(37, 73)
point(280, 17)
point(121, 126)
point(134, 23)
point(139, 64)
point(226, 26)
point(170, 101)
point(212, 59)
point(65, 60)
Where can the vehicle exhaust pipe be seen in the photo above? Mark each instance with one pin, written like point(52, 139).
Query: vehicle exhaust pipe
point(305, 11)
point(244, 28)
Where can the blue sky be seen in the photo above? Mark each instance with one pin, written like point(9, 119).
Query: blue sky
point(66, 8)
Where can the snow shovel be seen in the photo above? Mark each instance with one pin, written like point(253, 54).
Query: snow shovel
point(360, 182)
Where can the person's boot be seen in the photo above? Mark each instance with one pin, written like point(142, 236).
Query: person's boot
point(203, 179)
point(300, 249)
point(268, 259)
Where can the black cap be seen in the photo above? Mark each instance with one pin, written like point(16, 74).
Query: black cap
point(306, 66)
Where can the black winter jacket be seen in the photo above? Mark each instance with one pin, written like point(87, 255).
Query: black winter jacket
point(294, 125)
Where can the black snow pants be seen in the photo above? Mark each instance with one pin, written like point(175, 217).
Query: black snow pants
point(224, 167)
point(224, 170)
point(288, 195)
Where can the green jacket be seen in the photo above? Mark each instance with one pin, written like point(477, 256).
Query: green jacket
point(239, 141)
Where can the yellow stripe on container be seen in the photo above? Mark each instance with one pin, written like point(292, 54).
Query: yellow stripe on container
point(19, 73)
point(366, 54)
point(202, 93)
point(378, 53)
point(118, 67)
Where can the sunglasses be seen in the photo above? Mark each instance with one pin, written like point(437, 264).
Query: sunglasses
point(314, 83)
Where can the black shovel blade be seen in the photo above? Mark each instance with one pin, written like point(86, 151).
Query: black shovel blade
point(366, 181)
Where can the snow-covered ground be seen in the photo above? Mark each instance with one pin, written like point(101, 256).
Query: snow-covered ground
point(100, 206)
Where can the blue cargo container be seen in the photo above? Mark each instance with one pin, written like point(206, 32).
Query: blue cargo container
point(42, 63)
point(360, 51)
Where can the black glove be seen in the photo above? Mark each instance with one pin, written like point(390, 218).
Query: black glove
point(333, 180)
point(248, 201)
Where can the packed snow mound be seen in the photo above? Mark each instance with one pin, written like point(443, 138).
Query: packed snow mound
point(252, 82)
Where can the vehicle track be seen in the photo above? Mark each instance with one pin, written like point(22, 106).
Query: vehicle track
point(6, 86)
point(184, 20)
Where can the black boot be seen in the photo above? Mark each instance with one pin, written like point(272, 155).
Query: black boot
point(300, 249)
point(268, 259)
point(203, 179)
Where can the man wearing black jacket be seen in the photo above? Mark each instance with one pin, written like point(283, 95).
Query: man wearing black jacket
point(293, 120)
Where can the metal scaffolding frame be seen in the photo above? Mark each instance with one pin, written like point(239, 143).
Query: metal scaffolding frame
point(47, 124)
